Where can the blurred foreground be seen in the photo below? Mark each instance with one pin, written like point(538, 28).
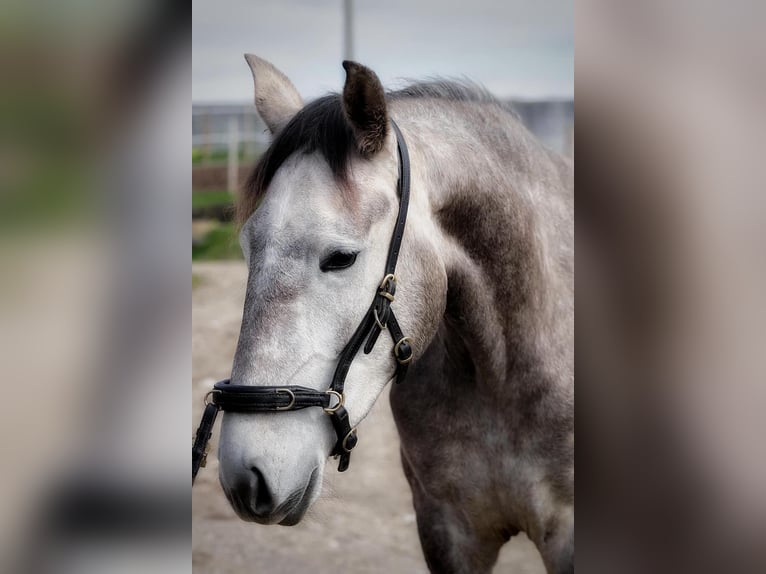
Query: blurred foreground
point(671, 276)
point(94, 286)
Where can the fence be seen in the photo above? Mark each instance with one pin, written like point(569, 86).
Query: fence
point(228, 134)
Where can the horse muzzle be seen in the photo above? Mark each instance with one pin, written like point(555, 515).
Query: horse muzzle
point(254, 500)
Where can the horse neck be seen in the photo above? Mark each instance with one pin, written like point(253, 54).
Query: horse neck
point(502, 216)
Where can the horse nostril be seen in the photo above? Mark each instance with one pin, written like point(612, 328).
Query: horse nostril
point(264, 502)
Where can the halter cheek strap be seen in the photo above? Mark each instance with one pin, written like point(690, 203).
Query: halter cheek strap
point(379, 317)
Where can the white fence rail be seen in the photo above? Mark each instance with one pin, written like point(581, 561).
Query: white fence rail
point(229, 128)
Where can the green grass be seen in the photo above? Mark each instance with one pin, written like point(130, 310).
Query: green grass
point(196, 281)
point(208, 198)
point(215, 156)
point(218, 156)
point(219, 243)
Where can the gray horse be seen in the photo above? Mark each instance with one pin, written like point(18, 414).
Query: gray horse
point(484, 289)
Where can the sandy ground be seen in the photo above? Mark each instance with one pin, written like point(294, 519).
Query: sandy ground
point(364, 522)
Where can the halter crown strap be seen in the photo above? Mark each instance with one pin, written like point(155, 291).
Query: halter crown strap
point(379, 317)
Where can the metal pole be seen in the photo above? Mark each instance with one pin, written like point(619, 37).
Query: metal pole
point(348, 29)
point(233, 163)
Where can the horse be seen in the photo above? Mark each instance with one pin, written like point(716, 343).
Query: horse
point(484, 292)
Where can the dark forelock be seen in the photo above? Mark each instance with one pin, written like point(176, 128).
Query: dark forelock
point(320, 126)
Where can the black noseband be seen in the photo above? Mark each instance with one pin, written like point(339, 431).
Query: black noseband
point(379, 317)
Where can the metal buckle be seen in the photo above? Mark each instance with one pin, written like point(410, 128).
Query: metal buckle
point(345, 440)
point(384, 284)
point(387, 295)
point(292, 399)
point(337, 395)
point(388, 280)
point(208, 394)
point(398, 346)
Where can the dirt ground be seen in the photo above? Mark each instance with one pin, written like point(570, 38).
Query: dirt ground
point(363, 524)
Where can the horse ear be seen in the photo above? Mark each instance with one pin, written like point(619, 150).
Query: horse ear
point(364, 103)
point(276, 98)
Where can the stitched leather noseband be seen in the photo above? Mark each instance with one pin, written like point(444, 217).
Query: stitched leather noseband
point(379, 317)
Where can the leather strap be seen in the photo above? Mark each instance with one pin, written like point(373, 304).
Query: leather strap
point(370, 328)
point(248, 399)
point(380, 316)
point(404, 199)
point(350, 350)
point(202, 438)
point(347, 438)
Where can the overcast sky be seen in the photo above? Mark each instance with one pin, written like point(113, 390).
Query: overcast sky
point(516, 48)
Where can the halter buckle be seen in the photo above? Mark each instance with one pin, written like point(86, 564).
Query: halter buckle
point(398, 348)
point(341, 400)
point(387, 287)
point(207, 399)
point(388, 278)
point(292, 399)
point(387, 295)
point(344, 444)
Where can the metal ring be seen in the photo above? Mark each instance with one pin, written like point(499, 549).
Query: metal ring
point(337, 395)
point(292, 399)
point(387, 295)
point(345, 439)
point(377, 319)
point(209, 393)
point(386, 279)
point(398, 346)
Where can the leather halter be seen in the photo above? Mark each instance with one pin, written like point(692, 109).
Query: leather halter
point(379, 317)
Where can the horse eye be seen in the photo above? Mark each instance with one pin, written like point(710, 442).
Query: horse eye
point(337, 260)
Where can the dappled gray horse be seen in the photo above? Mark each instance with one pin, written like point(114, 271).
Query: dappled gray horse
point(484, 290)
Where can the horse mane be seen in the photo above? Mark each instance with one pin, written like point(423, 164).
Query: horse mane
point(322, 126)
point(453, 90)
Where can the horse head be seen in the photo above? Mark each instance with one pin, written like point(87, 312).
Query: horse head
point(316, 248)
